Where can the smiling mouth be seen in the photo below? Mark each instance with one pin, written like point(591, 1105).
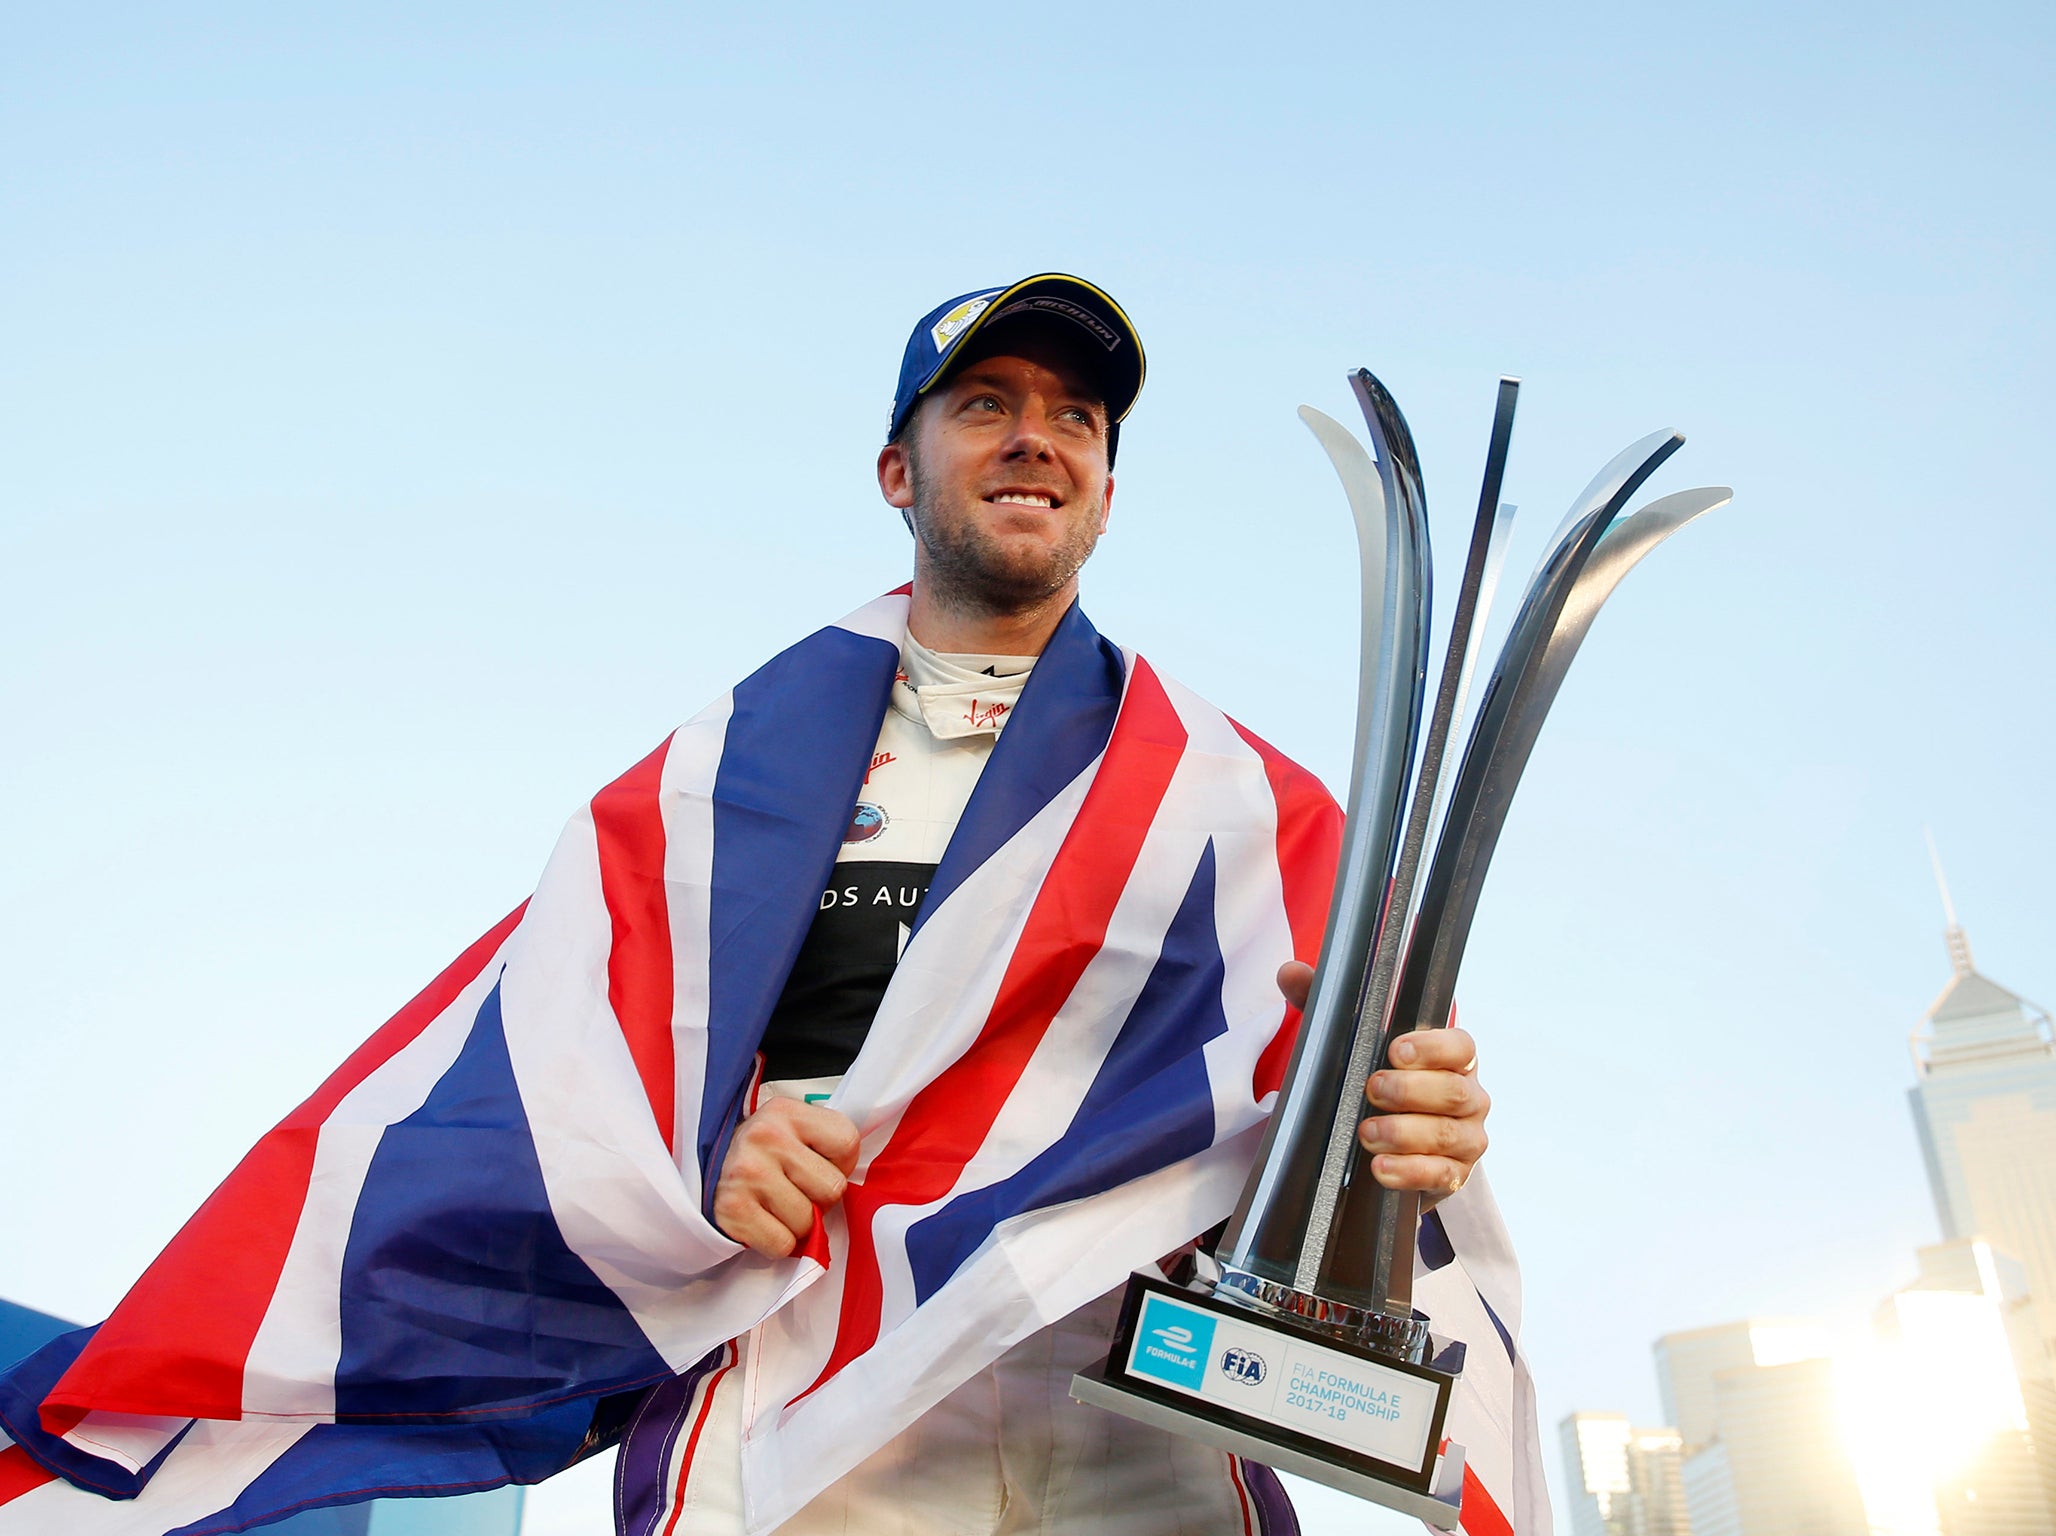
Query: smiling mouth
point(1041, 500)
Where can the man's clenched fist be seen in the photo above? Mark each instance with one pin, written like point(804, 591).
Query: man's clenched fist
point(785, 1162)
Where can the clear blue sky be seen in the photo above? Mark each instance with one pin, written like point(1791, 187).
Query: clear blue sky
point(408, 415)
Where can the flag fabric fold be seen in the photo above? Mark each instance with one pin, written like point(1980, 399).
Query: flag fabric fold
point(495, 1212)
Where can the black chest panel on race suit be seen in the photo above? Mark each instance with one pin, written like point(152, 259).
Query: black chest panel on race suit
point(940, 725)
point(850, 953)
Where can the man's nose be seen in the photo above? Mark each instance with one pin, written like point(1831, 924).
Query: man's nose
point(1031, 436)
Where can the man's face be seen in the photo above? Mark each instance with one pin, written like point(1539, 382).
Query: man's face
point(1004, 478)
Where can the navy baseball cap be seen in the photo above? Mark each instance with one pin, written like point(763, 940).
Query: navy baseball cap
point(944, 334)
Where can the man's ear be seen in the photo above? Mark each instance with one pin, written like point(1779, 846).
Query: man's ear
point(895, 484)
point(1106, 505)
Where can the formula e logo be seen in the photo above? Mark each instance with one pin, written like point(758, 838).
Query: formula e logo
point(866, 822)
point(1243, 1365)
point(1172, 1342)
point(1176, 1338)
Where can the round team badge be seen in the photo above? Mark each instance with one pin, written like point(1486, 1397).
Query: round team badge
point(866, 822)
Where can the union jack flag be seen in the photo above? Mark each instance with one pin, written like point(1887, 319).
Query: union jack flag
point(495, 1212)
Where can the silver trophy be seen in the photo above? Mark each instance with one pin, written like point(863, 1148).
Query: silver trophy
point(1297, 1344)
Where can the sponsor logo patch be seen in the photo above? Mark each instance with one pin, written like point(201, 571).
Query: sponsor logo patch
point(866, 822)
point(952, 325)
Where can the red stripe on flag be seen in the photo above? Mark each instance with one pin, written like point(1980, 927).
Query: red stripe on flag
point(628, 822)
point(1309, 848)
point(1481, 1516)
point(948, 1121)
point(176, 1344)
point(21, 1473)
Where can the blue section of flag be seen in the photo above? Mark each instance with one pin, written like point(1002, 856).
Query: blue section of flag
point(797, 746)
point(342, 1464)
point(1432, 1244)
point(22, 1390)
point(1149, 1105)
point(24, 1330)
point(1505, 1338)
point(459, 1293)
point(1069, 703)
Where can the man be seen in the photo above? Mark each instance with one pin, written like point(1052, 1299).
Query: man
point(852, 1044)
point(1000, 456)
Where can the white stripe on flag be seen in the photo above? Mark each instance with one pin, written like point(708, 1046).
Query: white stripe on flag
point(129, 1440)
point(947, 980)
point(291, 1369)
point(1250, 919)
point(1042, 1266)
point(883, 618)
point(1068, 1058)
point(1493, 1413)
point(205, 1473)
point(691, 767)
point(613, 1187)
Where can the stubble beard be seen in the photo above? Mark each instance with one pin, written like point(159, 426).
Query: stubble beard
point(969, 570)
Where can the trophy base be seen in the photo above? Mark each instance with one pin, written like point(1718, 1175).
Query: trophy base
point(1282, 1392)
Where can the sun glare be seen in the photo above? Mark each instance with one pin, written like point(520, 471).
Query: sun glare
point(1921, 1396)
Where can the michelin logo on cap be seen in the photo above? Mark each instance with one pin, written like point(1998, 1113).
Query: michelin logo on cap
point(953, 324)
point(1077, 314)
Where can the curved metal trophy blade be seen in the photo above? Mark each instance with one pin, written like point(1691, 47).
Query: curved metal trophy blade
point(1594, 496)
point(1488, 591)
point(1269, 1226)
point(1370, 1250)
point(1621, 549)
point(1397, 458)
point(1428, 990)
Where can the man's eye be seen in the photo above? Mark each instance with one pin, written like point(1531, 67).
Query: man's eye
point(984, 403)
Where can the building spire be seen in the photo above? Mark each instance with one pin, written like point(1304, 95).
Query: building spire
point(1953, 935)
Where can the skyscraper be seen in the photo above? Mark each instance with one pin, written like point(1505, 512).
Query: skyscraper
point(1763, 1453)
point(1982, 1436)
point(1985, 1110)
point(1623, 1481)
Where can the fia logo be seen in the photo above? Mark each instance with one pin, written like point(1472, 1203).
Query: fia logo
point(1243, 1365)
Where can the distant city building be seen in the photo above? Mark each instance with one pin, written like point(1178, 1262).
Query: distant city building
point(1623, 1481)
point(1941, 1421)
point(1688, 1363)
point(1982, 1442)
point(23, 1330)
point(1763, 1449)
point(1985, 1109)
